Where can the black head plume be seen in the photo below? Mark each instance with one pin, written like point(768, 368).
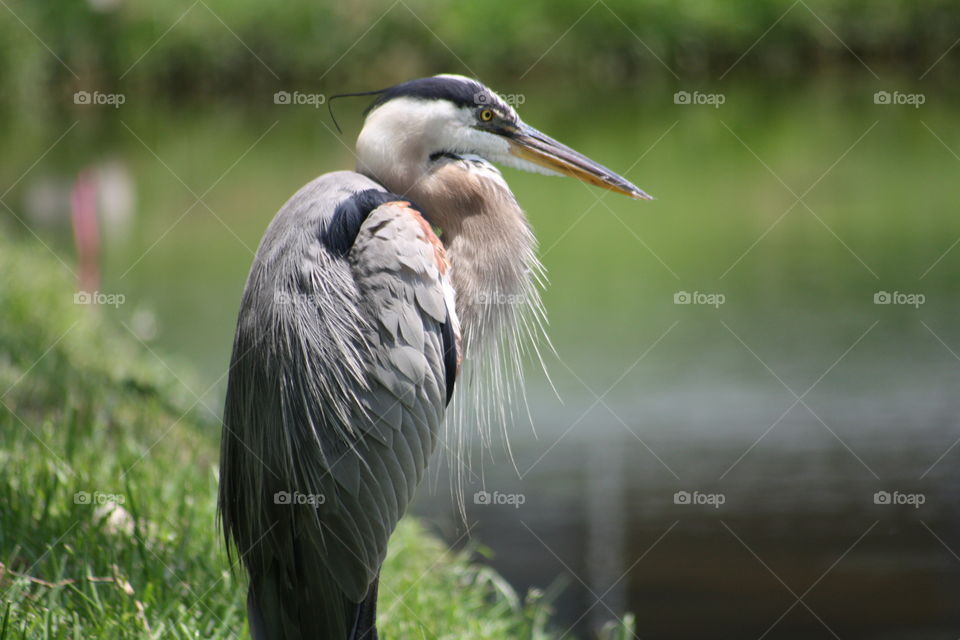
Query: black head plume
point(348, 95)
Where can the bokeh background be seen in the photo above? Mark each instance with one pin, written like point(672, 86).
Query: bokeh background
point(755, 417)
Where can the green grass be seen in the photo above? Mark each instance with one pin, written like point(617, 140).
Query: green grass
point(89, 412)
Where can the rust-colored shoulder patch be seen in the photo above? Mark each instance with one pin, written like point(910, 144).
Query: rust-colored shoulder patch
point(439, 252)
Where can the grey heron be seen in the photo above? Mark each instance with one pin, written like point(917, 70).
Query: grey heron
point(368, 291)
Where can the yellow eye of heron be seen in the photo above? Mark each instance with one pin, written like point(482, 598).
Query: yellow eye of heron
point(486, 115)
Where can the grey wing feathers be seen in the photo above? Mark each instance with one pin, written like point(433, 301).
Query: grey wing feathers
point(394, 269)
point(337, 389)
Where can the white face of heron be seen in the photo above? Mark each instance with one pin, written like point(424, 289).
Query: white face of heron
point(402, 134)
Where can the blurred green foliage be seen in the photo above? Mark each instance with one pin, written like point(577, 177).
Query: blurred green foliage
point(175, 47)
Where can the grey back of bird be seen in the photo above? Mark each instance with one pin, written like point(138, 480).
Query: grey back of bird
point(338, 383)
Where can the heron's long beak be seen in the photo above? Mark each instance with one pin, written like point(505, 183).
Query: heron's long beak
point(539, 148)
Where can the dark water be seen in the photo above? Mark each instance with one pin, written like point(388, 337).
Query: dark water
point(692, 398)
point(798, 516)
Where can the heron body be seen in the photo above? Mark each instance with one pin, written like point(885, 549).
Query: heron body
point(369, 291)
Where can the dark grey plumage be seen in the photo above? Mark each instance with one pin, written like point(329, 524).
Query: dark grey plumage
point(336, 392)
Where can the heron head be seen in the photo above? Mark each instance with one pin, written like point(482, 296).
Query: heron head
point(449, 114)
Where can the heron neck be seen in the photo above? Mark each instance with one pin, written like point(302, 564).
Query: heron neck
point(490, 245)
